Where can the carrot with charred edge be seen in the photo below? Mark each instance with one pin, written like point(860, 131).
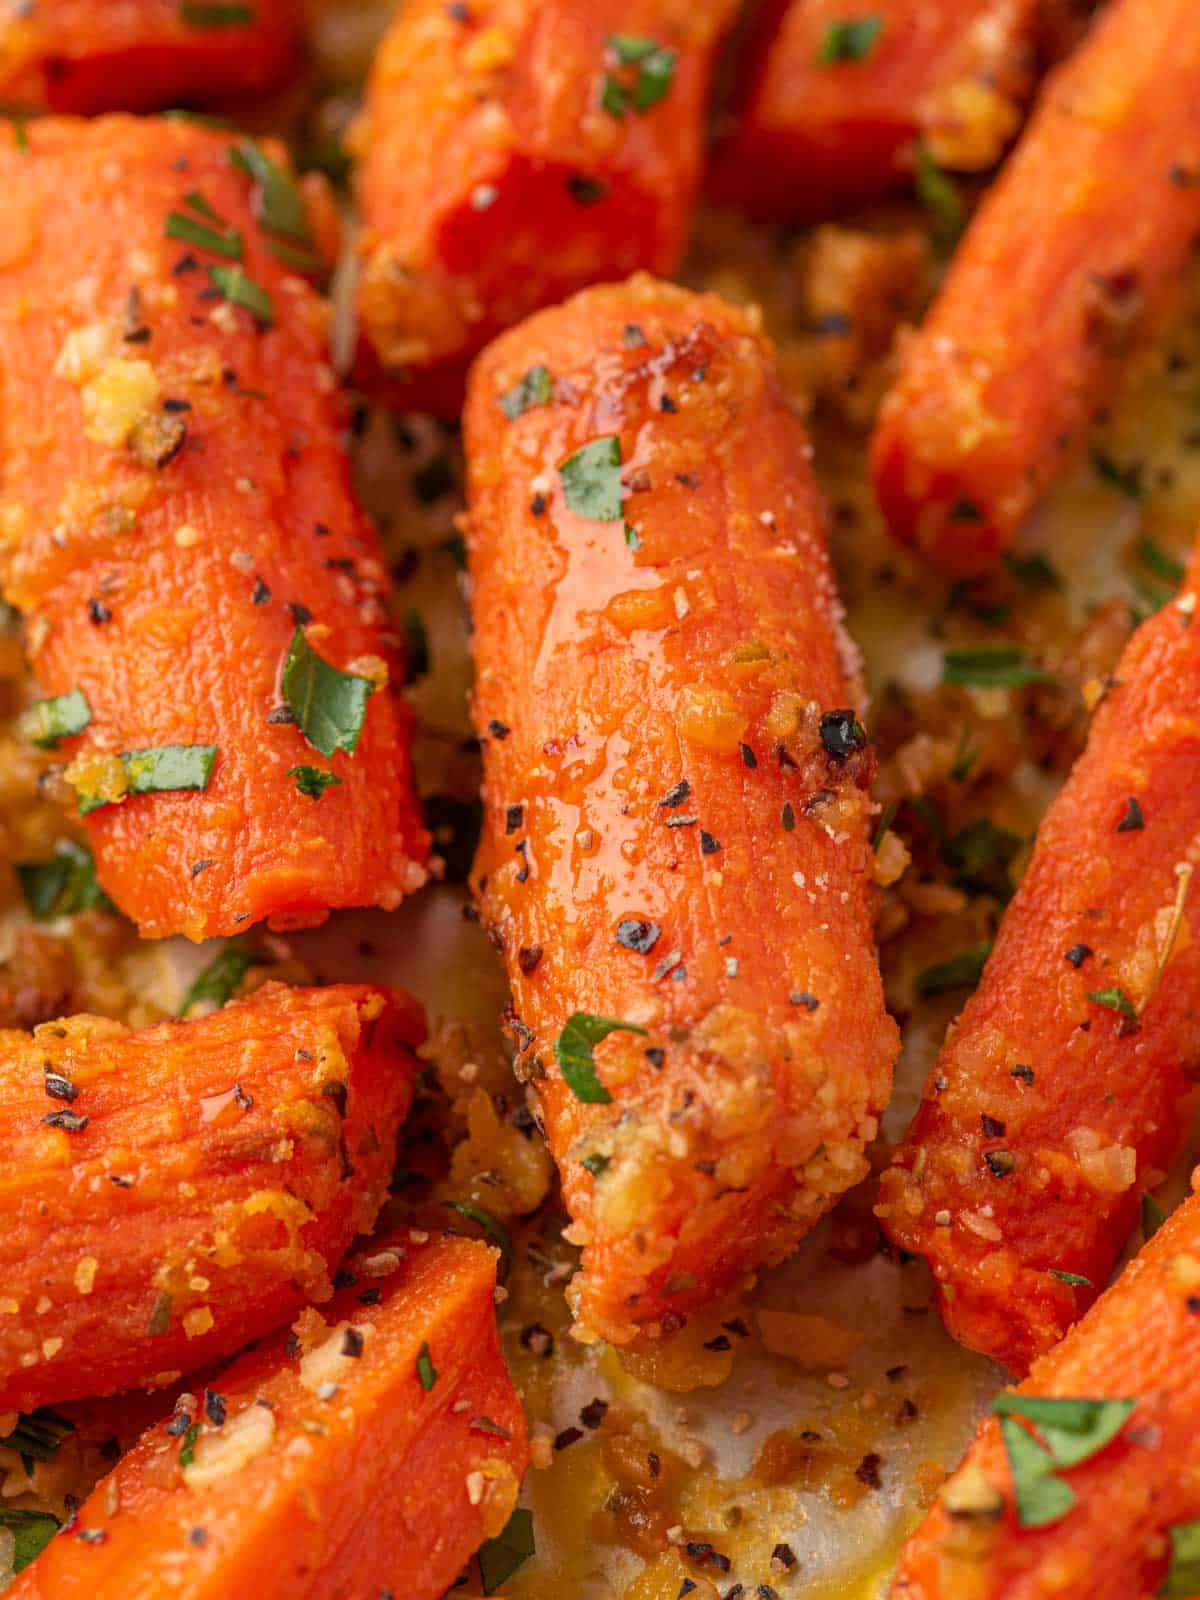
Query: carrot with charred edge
point(1063, 1089)
point(178, 524)
point(370, 1452)
point(512, 152)
point(1073, 254)
point(1111, 1542)
point(834, 99)
point(675, 841)
point(170, 1194)
point(87, 56)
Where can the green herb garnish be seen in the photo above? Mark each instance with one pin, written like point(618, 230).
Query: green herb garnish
point(850, 39)
point(220, 979)
point(1033, 572)
point(63, 715)
point(940, 196)
point(991, 666)
point(313, 781)
point(591, 480)
point(63, 885)
point(186, 229)
point(534, 388)
point(500, 1557)
point(960, 972)
point(241, 290)
point(652, 82)
point(215, 14)
point(596, 1164)
point(278, 205)
point(1125, 479)
point(187, 1447)
point(155, 771)
point(573, 1048)
point(32, 1531)
point(38, 1436)
point(329, 706)
point(495, 1230)
point(1183, 1574)
point(1075, 1279)
point(1164, 565)
point(1071, 1431)
point(1153, 1216)
point(426, 1371)
point(1115, 999)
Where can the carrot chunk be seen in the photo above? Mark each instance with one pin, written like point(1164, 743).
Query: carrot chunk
point(369, 1453)
point(206, 604)
point(1073, 255)
point(170, 1194)
point(87, 56)
point(1064, 1085)
point(1112, 1527)
point(514, 151)
point(675, 858)
point(834, 99)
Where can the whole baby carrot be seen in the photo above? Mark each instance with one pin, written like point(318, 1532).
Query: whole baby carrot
point(841, 102)
point(1087, 1484)
point(1072, 256)
point(368, 1453)
point(1062, 1091)
point(675, 859)
point(206, 604)
point(513, 151)
point(168, 1195)
point(137, 55)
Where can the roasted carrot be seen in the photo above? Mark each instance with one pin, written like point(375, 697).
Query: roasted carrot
point(170, 1194)
point(1122, 1520)
point(1062, 1090)
point(835, 99)
point(204, 598)
point(368, 1453)
point(511, 152)
point(675, 842)
point(1073, 255)
point(137, 55)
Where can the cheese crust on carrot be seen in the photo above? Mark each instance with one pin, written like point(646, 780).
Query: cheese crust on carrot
point(1130, 1500)
point(206, 604)
point(833, 100)
point(1063, 1089)
point(170, 1194)
point(512, 152)
point(369, 1452)
point(87, 56)
point(675, 859)
point(1072, 257)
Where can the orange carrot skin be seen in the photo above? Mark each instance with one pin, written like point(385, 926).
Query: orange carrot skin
point(811, 136)
point(1100, 1103)
point(381, 1485)
point(607, 676)
point(169, 593)
point(1074, 252)
point(492, 181)
point(222, 1169)
point(87, 56)
point(1138, 1341)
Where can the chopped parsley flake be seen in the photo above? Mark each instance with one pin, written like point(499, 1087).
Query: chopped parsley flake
point(158, 770)
point(940, 196)
point(219, 980)
point(652, 81)
point(1075, 1280)
point(278, 203)
point(591, 480)
point(63, 715)
point(991, 666)
point(1070, 1432)
point(850, 39)
point(426, 1371)
point(330, 706)
point(1183, 1574)
point(1115, 999)
point(960, 972)
point(574, 1046)
point(495, 1230)
point(535, 388)
point(313, 781)
point(241, 290)
point(32, 1531)
point(500, 1557)
point(187, 230)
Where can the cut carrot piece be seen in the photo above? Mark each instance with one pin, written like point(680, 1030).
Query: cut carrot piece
point(1063, 1088)
point(1074, 253)
point(170, 1194)
point(512, 152)
point(675, 859)
point(1110, 1518)
point(835, 98)
point(138, 55)
point(369, 1453)
point(202, 591)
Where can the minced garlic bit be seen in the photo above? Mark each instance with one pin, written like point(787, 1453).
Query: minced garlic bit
point(228, 1449)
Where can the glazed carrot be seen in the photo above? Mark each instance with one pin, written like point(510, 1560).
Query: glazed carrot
point(368, 1453)
point(1073, 254)
point(834, 99)
point(1112, 1537)
point(170, 1194)
point(136, 55)
point(675, 782)
point(513, 151)
point(178, 524)
point(1063, 1088)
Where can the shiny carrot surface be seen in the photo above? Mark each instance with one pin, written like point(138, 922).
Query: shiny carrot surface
point(835, 98)
point(1064, 1088)
point(1114, 1539)
point(513, 151)
point(368, 1453)
point(1072, 257)
point(177, 523)
point(676, 813)
point(168, 1195)
point(87, 56)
